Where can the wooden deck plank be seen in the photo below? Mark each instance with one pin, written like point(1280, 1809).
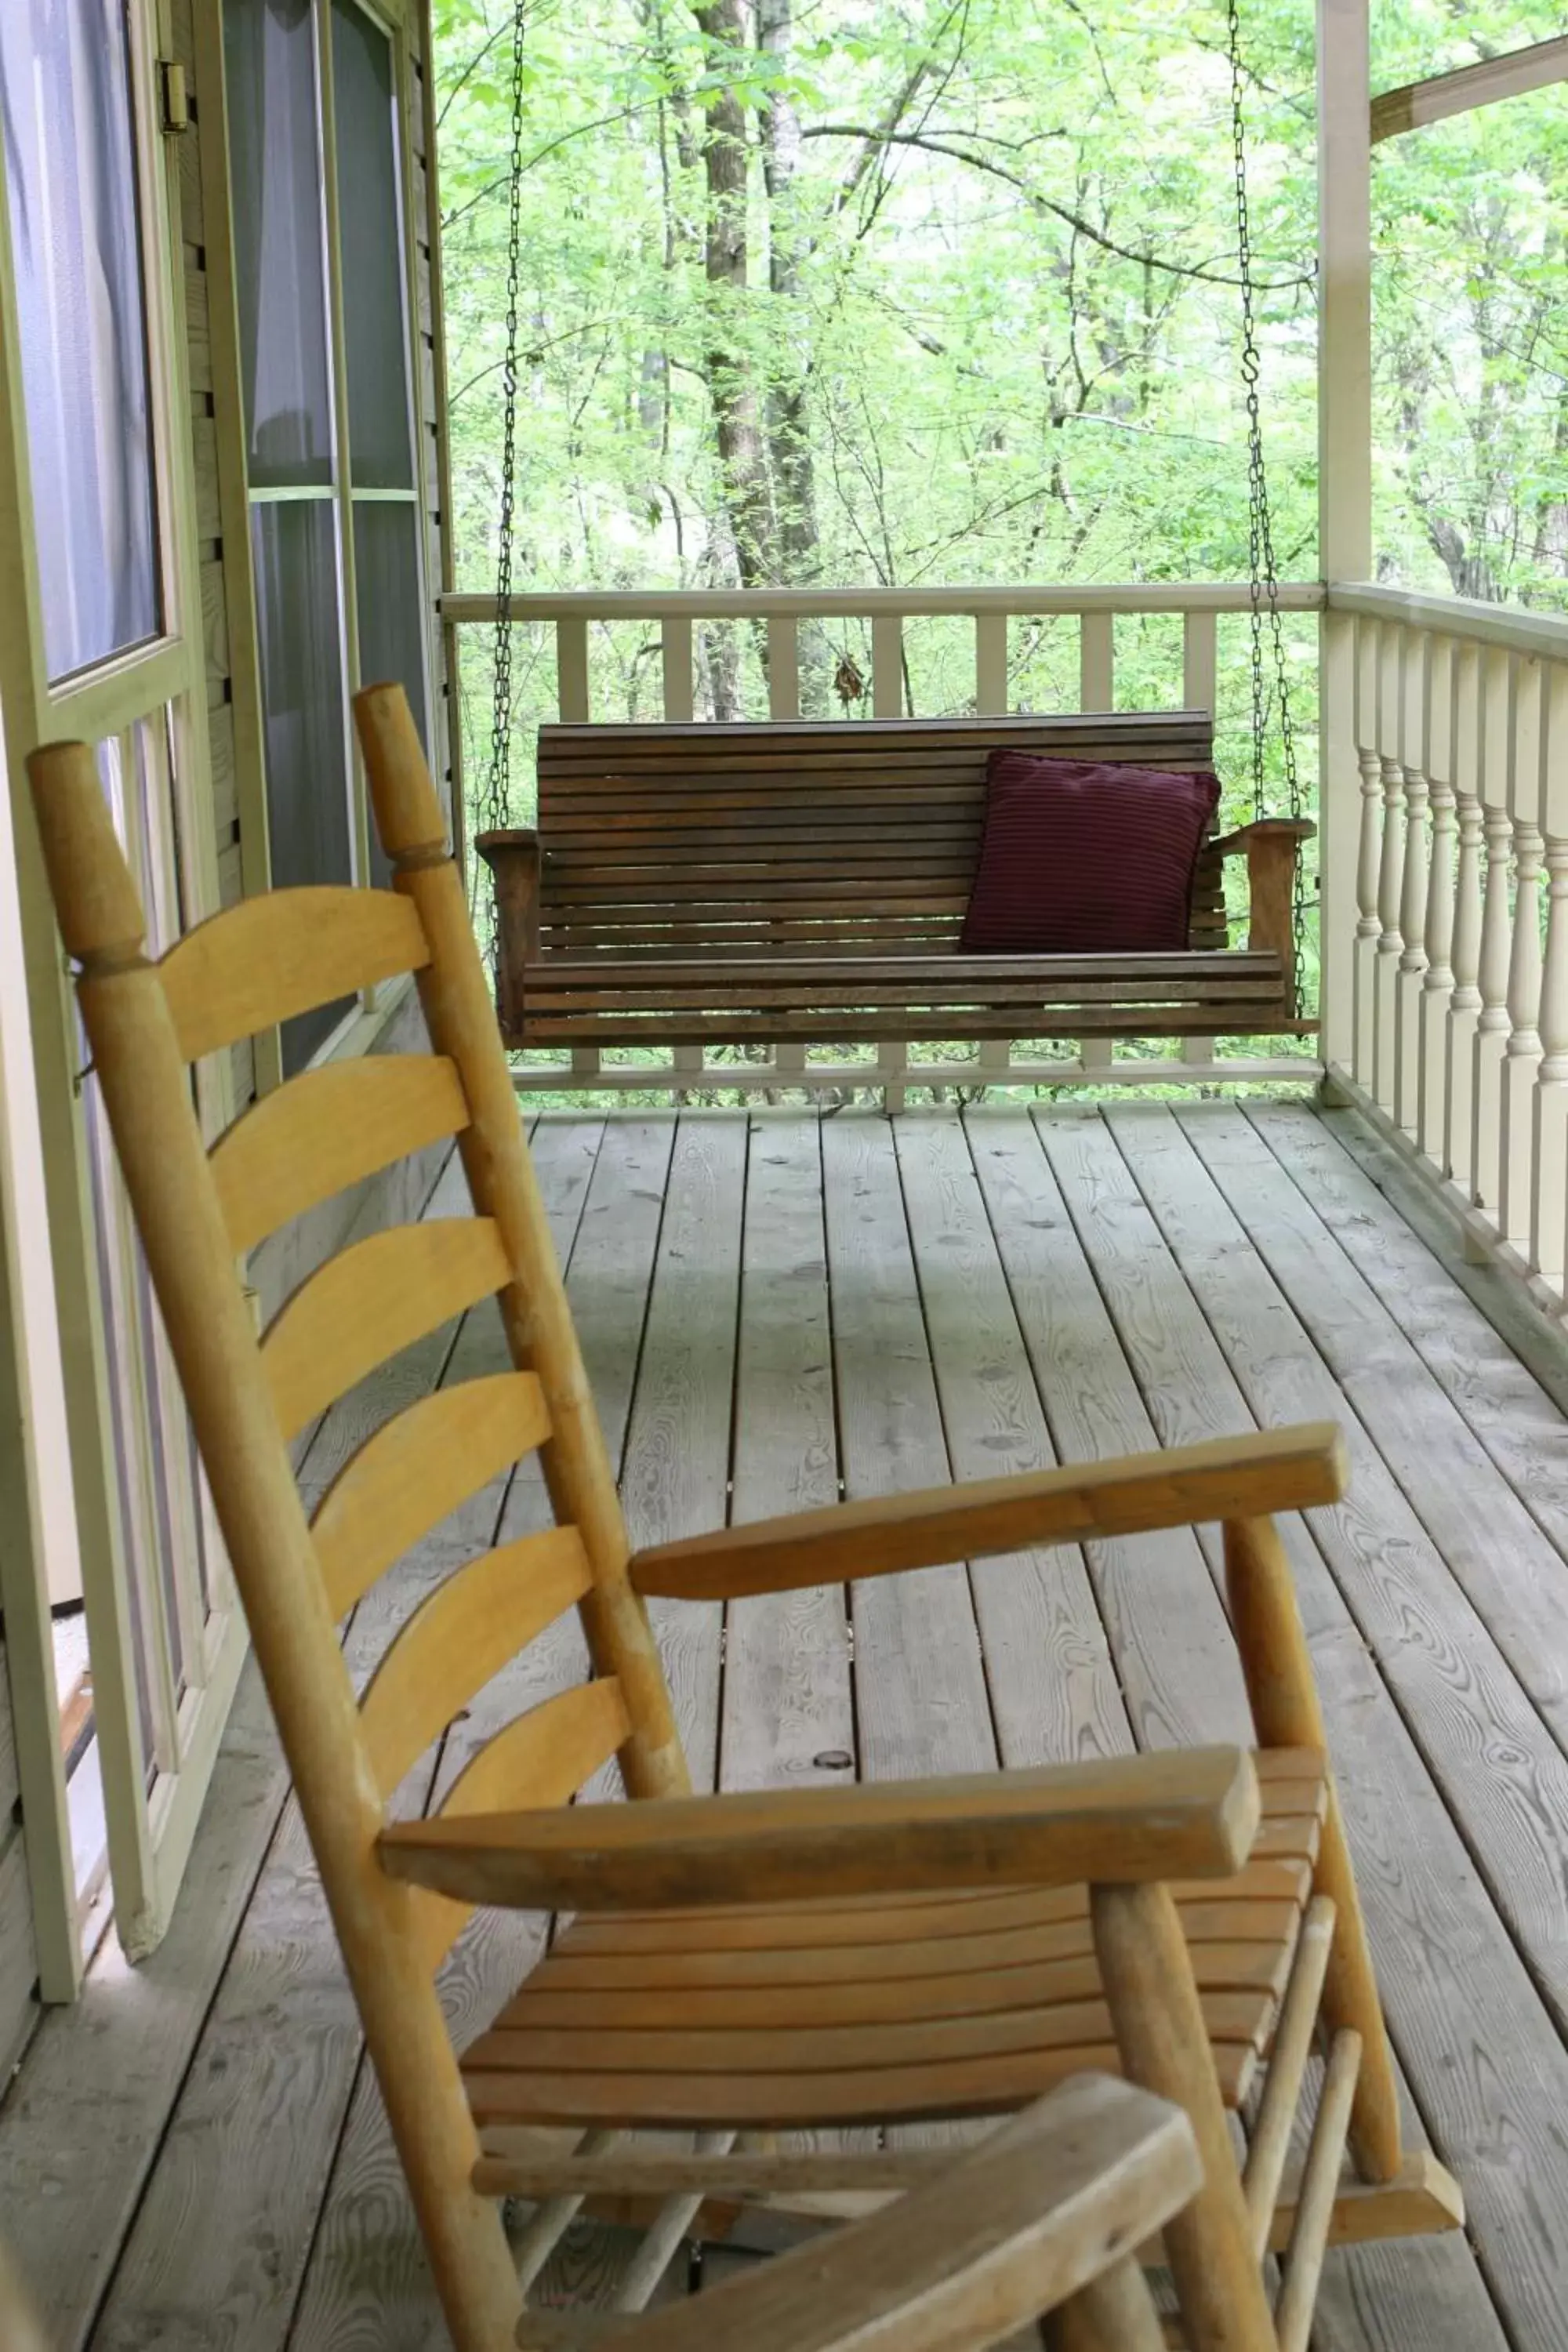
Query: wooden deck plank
point(787, 1694)
point(1501, 1771)
point(921, 1702)
point(1054, 1692)
point(1481, 2052)
point(789, 1714)
point(228, 2219)
point(82, 2125)
point(1532, 1332)
point(966, 1286)
point(676, 1476)
point(1512, 1574)
point(1167, 1628)
point(83, 2121)
point(1502, 1402)
point(920, 1698)
point(1372, 2295)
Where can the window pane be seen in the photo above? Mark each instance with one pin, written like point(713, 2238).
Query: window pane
point(370, 227)
point(71, 184)
point(391, 616)
point(300, 627)
point(269, 52)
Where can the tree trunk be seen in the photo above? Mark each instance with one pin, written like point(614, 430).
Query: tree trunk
point(788, 419)
point(743, 454)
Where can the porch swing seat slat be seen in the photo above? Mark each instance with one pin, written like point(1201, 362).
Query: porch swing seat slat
point(803, 882)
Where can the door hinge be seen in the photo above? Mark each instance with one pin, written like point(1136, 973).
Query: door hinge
point(174, 96)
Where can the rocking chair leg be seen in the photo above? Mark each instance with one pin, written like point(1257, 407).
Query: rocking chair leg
point(1159, 2027)
point(1115, 2314)
point(675, 2217)
point(1286, 1713)
point(555, 2216)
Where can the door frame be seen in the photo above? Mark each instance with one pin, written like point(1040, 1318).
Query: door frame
point(149, 1834)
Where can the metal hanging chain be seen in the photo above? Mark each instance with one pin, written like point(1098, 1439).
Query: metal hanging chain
point(498, 787)
point(1263, 571)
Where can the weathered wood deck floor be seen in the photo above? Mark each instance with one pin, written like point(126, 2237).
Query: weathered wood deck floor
point(781, 1309)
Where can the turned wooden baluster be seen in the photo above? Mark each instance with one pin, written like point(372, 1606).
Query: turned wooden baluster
point(1492, 1021)
point(1521, 1057)
point(1391, 870)
point(1465, 1004)
point(1492, 1024)
point(1549, 1153)
point(1437, 987)
point(1414, 958)
point(1370, 855)
point(1522, 1053)
point(1548, 1157)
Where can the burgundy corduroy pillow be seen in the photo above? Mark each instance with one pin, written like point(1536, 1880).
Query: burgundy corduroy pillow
point(1085, 857)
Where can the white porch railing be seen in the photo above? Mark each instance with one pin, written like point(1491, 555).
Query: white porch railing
point(1453, 1029)
point(778, 614)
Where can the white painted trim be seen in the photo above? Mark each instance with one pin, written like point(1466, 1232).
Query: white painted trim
point(816, 1077)
point(1508, 626)
point(740, 603)
point(1416, 104)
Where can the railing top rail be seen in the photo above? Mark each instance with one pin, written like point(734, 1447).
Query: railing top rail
point(910, 604)
point(1455, 616)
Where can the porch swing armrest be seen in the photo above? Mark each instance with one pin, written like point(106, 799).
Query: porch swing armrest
point(513, 855)
point(1272, 847)
point(1263, 829)
point(1227, 1478)
point(1173, 1815)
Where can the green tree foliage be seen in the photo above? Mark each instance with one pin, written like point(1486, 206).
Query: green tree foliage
point(944, 292)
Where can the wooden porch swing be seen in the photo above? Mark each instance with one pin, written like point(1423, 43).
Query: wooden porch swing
point(796, 882)
point(792, 881)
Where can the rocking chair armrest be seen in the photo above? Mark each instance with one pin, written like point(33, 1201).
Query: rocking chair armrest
point(1021, 2224)
point(1133, 1820)
point(1227, 1478)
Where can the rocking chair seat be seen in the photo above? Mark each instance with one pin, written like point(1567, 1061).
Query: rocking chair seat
point(902, 2007)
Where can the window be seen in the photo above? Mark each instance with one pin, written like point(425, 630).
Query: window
point(65, 71)
point(325, 348)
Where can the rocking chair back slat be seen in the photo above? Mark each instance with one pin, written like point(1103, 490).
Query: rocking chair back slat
point(372, 1301)
point(462, 1635)
point(273, 957)
point(548, 1753)
point(415, 1468)
point(326, 1129)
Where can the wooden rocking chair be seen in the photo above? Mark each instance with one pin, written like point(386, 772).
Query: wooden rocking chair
point(740, 1964)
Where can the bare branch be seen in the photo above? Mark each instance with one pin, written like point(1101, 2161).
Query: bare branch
point(936, 145)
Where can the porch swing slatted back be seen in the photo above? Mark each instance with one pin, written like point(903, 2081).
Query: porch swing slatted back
point(797, 882)
point(851, 839)
point(255, 964)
